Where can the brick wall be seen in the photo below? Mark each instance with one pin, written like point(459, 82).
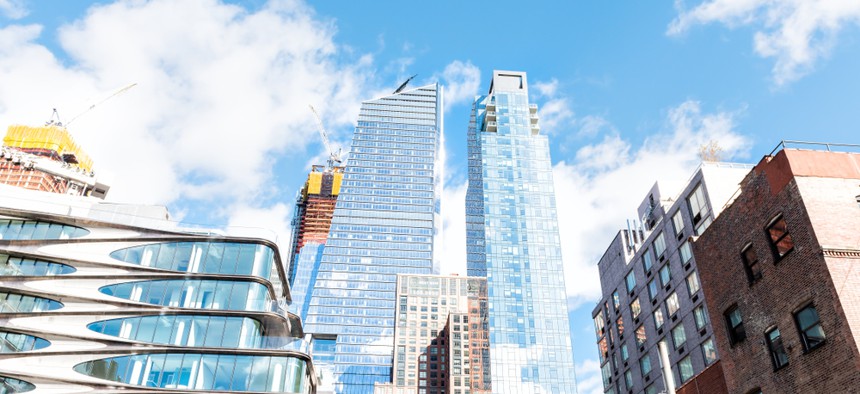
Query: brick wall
point(710, 381)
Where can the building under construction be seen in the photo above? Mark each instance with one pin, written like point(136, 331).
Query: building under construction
point(314, 210)
point(47, 159)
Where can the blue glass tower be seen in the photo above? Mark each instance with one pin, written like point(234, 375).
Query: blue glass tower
point(384, 224)
point(512, 239)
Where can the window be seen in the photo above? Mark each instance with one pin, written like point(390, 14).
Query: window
point(665, 275)
point(658, 318)
point(778, 355)
point(672, 304)
point(693, 283)
point(709, 351)
point(616, 301)
point(735, 324)
point(652, 289)
point(780, 239)
point(679, 336)
point(605, 370)
point(631, 281)
point(659, 245)
point(647, 260)
point(678, 223)
point(686, 252)
point(635, 309)
point(685, 369)
point(698, 206)
point(620, 324)
point(809, 325)
point(598, 325)
point(652, 389)
point(640, 336)
point(750, 260)
point(628, 379)
point(700, 316)
point(645, 364)
point(625, 355)
point(858, 201)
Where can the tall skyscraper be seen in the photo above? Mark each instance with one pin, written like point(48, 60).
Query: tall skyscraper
point(512, 239)
point(99, 297)
point(384, 224)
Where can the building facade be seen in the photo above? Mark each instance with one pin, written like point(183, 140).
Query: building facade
point(98, 297)
point(651, 289)
point(47, 159)
point(512, 240)
point(441, 336)
point(314, 209)
point(779, 269)
point(384, 224)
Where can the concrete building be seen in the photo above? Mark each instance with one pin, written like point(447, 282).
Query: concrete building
point(780, 269)
point(512, 240)
point(47, 159)
point(101, 297)
point(651, 289)
point(441, 343)
point(385, 223)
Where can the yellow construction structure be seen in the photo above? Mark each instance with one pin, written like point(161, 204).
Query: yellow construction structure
point(315, 181)
point(48, 140)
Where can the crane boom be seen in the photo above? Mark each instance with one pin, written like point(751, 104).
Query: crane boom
point(114, 94)
point(333, 157)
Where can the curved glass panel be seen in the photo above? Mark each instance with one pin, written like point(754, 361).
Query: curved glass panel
point(19, 303)
point(202, 257)
point(17, 266)
point(196, 294)
point(35, 229)
point(204, 372)
point(12, 385)
point(11, 342)
point(184, 330)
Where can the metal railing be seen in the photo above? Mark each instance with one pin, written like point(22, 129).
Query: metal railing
point(828, 146)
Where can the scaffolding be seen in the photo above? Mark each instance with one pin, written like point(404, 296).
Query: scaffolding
point(51, 141)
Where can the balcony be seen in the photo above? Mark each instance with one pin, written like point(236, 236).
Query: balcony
point(491, 116)
point(533, 108)
point(491, 126)
point(534, 119)
point(535, 129)
point(492, 107)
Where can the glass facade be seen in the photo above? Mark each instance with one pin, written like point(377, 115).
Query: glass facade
point(204, 372)
point(17, 266)
point(12, 385)
point(512, 239)
point(11, 342)
point(384, 223)
point(202, 257)
point(11, 229)
point(197, 294)
point(185, 330)
point(19, 303)
point(307, 264)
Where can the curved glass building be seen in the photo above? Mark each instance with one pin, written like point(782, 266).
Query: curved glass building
point(89, 305)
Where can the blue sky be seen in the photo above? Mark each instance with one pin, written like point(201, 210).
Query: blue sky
point(218, 127)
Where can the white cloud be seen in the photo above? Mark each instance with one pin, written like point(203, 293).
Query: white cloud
point(797, 33)
point(600, 189)
point(461, 81)
point(222, 93)
point(588, 378)
point(554, 113)
point(13, 9)
point(267, 222)
point(546, 89)
point(453, 259)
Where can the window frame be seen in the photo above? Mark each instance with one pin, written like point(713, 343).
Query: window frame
point(713, 347)
point(736, 332)
point(678, 223)
point(804, 338)
point(698, 284)
point(775, 348)
point(774, 243)
point(630, 281)
point(668, 271)
point(679, 328)
point(753, 275)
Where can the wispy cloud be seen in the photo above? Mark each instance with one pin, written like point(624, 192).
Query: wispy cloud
point(796, 33)
point(13, 9)
point(222, 93)
point(602, 186)
point(461, 81)
point(588, 378)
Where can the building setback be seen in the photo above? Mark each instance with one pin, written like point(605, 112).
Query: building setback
point(384, 224)
point(512, 240)
point(98, 297)
point(779, 269)
point(650, 286)
point(441, 343)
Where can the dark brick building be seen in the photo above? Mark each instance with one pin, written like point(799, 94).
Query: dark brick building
point(780, 269)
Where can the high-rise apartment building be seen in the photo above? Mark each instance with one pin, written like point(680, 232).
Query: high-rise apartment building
point(512, 240)
point(780, 269)
point(314, 210)
point(384, 224)
point(47, 159)
point(651, 289)
point(440, 337)
point(111, 297)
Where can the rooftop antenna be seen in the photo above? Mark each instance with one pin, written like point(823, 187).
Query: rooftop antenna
point(333, 157)
point(404, 84)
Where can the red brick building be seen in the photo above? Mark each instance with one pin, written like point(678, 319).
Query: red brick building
point(780, 268)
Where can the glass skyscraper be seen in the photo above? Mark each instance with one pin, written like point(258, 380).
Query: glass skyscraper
point(512, 239)
point(384, 224)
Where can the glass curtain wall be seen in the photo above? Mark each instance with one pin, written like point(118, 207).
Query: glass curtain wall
point(384, 223)
point(512, 238)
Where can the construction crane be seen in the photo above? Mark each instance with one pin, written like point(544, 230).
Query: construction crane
point(333, 157)
point(114, 94)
